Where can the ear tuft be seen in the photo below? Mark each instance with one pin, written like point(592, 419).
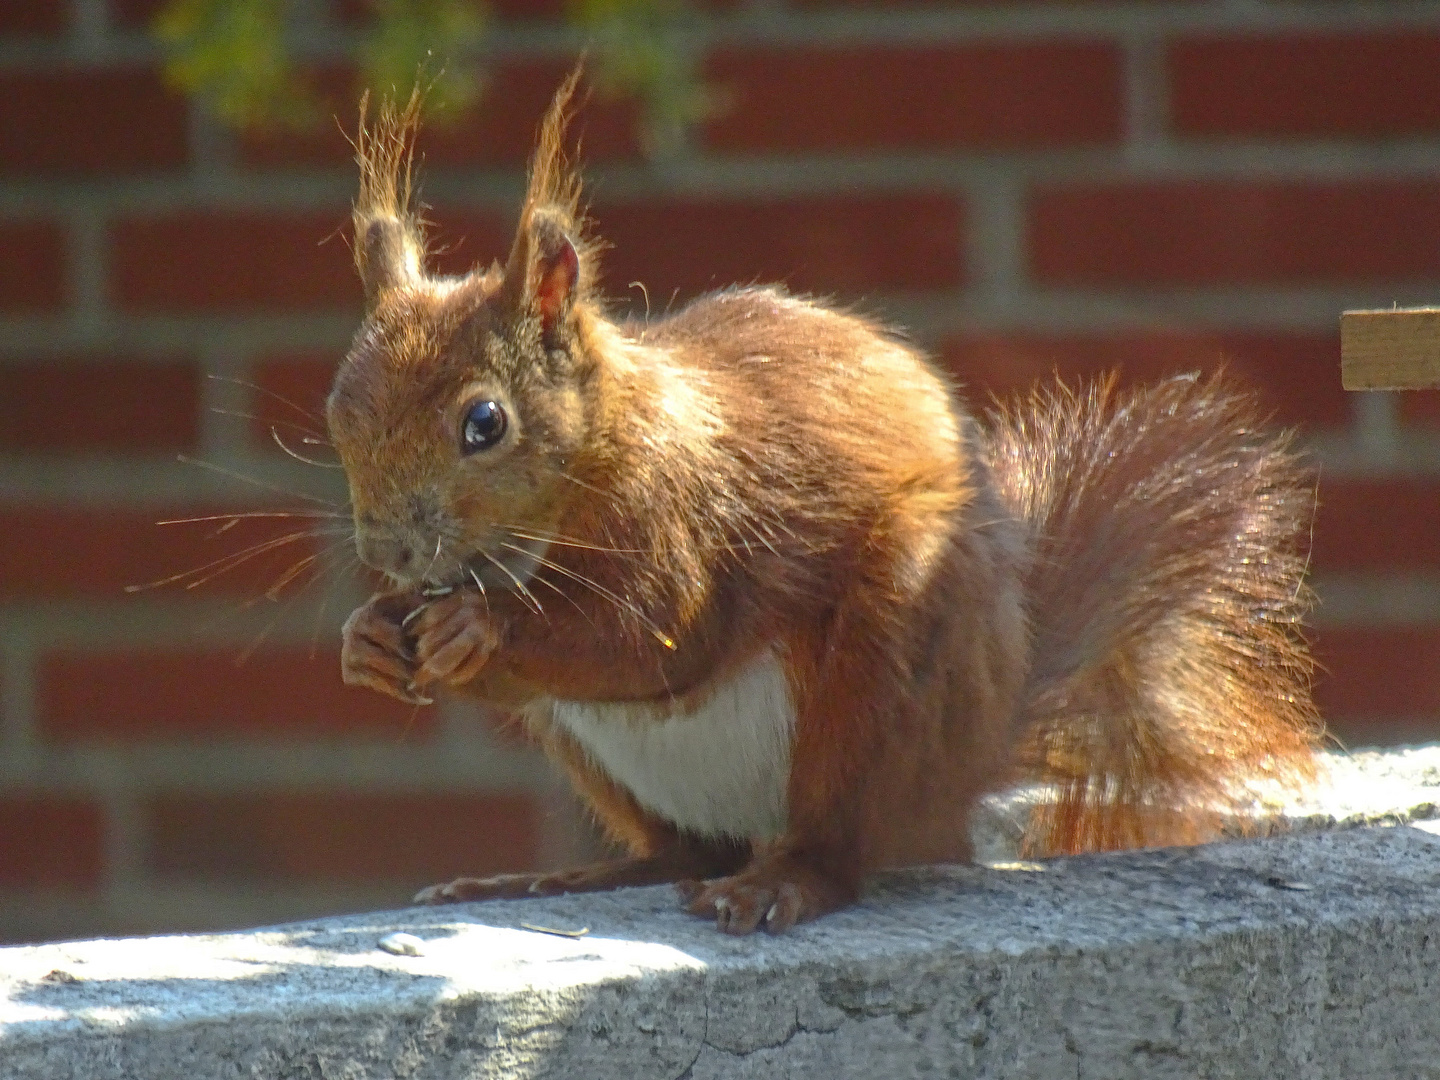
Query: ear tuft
point(551, 263)
point(389, 244)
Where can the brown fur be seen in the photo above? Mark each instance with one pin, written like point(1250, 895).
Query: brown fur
point(1170, 534)
point(1094, 589)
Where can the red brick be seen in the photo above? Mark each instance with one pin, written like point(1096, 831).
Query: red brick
point(923, 5)
point(236, 262)
point(497, 131)
point(1356, 84)
point(32, 273)
point(1420, 407)
point(90, 122)
point(219, 693)
point(1390, 524)
point(48, 840)
point(848, 245)
point(413, 838)
point(1293, 373)
point(984, 97)
point(1376, 673)
point(32, 17)
point(135, 14)
point(459, 240)
point(288, 396)
point(1205, 233)
point(95, 553)
point(107, 406)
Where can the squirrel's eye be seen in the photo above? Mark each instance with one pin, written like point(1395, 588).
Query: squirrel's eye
point(484, 426)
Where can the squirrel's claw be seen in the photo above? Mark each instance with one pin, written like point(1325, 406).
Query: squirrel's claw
point(741, 907)
point(775, 891)
point(375, 653)
point(501, 886)
point(454, 637)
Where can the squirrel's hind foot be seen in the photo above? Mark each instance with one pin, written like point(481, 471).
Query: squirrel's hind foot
point(773, 893)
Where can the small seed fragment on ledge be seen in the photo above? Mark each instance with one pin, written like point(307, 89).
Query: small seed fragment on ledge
point(552, 930)
point(402, 944)
point(1293, 886)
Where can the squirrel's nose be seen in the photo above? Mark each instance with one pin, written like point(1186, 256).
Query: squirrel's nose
point(383, 552)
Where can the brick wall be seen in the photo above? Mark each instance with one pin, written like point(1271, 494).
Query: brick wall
point(1155, 185)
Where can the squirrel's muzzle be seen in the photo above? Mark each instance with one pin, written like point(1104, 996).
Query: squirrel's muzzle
point(381, 550)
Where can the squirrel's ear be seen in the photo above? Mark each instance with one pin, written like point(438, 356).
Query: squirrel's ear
point(387, 255)
point(389, 239)
point(543, 271)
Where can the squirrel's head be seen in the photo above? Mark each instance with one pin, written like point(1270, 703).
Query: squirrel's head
point(463, 401)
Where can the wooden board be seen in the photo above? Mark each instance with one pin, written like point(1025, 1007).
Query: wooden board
point(1389, 349)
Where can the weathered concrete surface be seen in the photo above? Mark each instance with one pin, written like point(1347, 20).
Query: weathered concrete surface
point(1313, 955)
point(1370, 787)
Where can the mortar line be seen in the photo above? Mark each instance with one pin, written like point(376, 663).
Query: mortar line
point(87, 258)
point(19, 744)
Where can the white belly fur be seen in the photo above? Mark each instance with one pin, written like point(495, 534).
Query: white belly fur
point(721, 770)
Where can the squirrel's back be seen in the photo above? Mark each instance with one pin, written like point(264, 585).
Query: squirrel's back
point(1170, 532)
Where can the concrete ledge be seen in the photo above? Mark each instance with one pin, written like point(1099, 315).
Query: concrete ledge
point(1311, 955)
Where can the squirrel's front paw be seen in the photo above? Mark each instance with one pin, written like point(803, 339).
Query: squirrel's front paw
point(499, 887)
point(375, 648)
point(454, 636)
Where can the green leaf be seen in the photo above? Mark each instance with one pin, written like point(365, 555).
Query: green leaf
point(641, 52)
point(431, 43)
point(237, 57)
point(233, 54)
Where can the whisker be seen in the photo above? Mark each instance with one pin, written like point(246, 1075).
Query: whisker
point(414, 715)
point(233, 475)
point(320, 616)
point(224, 563)
point(561, 541)
point(481, 586)
point(543, 580)
point(521, 590)
point(313, 417)
point(239, 559)
point(588, 487)
point(296, 568)
point(275, 434)
point(433, 559)
point(239, 514)
point(599, 590)
point(268, 422)
point(272, 594)
point(331, 568)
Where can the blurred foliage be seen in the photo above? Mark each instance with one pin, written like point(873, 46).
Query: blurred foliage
point(237, 57)
point(245, 59)
point(639, 53)
point(430, 39)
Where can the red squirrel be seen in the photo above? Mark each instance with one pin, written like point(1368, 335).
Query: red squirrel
point(780, 606)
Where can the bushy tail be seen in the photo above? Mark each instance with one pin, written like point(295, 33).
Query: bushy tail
point(1171, 534)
